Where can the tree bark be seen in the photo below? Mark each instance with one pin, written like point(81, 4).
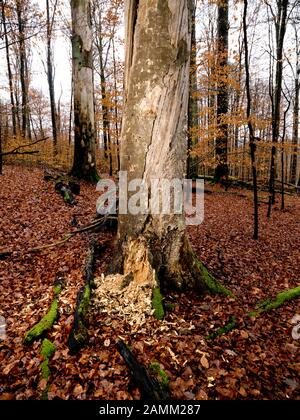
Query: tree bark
point(10, 77)
point(50, 76)
point(192, 163)
point(84, 165)
point(23, 70)
point(295, 125)
point(280, 35)
point(222, 96)
point(154, 140)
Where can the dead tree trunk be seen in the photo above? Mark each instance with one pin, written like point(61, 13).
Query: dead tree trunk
point(84, 165)
point(154, 140)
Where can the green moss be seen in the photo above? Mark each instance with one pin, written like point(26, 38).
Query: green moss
point(48, 320)
point(160, 374)
point(157, 304)
point(47, 350)
point(84, 303)
point(211, 283)
point(224, 330)
point(44, 325)
point(280, 299)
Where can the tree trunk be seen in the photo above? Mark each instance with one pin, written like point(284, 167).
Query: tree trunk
point(104, 106)
point(280, 34)
point(50, 77)
point(10, 77)
point(23, 71)
point(154, 141)
point(295, 128)
point(84, 165)
point(192, 163)
point(222, 96)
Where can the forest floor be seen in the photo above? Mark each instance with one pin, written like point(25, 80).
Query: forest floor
point(258, 360)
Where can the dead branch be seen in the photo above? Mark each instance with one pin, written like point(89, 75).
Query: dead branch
point(16, 151)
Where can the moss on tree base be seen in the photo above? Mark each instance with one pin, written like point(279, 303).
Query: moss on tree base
point(157, 304)
point(280, 299)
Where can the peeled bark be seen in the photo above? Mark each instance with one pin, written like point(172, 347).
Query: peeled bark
point(84, 165)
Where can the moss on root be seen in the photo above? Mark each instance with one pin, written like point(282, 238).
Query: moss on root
point(47, 351)
point(48, 320)
point(157, 304)
point(224, 330)
point(280, 299)
point(44, 325)
point(212, 285)
point(160, 375)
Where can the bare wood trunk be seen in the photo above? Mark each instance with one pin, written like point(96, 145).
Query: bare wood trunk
point(84, 165)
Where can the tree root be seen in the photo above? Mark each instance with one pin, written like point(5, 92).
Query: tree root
point(280, 299)
point(224, 330)
point(48, 320)
point(79, 334)
point(47, 351)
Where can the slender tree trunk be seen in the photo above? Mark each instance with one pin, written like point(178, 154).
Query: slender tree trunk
point(116, 106)
point(280, 31)
point(250, 125)
point(50, 77)
point(222, 96)
point(84, 165)
point(23, 78)
point(192, 162)
point(104, 106)
point(295, 129)
point(10, 77)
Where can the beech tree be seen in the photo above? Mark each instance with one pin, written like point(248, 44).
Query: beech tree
point(84, 165)
point(154, 139)
point(222, 95)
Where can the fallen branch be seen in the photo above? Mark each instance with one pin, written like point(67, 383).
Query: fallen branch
point(17, 152)
point(91, 227)
point(150, 388)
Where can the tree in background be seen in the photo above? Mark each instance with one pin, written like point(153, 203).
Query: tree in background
point(222, 91)
point(84, 165)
